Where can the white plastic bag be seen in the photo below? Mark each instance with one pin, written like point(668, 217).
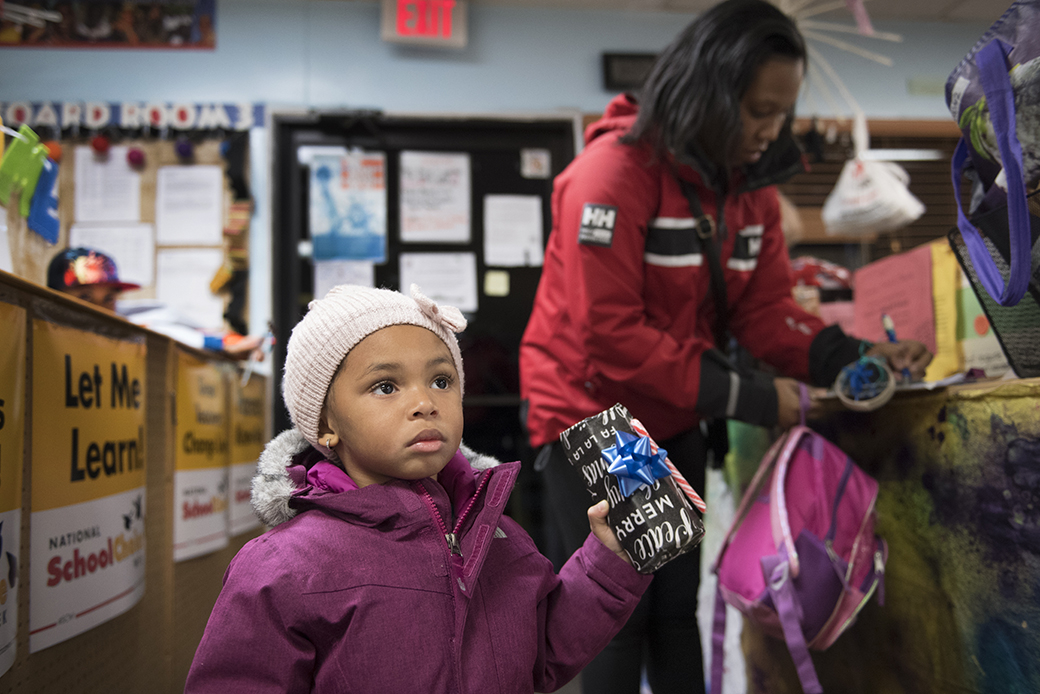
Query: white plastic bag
point(870, 196)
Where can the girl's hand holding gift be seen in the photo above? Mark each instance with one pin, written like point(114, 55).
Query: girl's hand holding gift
point(603, 532)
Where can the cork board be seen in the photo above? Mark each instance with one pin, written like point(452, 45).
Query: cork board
point(30, 253)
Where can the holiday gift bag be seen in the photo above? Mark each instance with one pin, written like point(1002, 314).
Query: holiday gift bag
point(994, 95)
point(651, 504)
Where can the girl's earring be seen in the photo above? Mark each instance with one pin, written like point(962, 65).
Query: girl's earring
point(328, 442)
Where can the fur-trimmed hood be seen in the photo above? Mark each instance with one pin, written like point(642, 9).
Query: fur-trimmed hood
point(276, 481)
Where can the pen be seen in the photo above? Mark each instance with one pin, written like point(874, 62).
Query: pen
point(264, 348)
point(890, 330)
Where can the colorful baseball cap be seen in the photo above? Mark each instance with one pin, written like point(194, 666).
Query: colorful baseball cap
point(77, 267)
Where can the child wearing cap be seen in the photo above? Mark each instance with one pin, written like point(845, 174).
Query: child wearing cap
point(390, 566)
point(88, 275)
point(92, 276)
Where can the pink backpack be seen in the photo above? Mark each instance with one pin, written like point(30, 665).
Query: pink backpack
point(801, 558)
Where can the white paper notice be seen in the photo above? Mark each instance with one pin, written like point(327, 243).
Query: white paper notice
point(535, 163)
point(189, 205)
point(6, 261)
point(512, 230)
point(182, 283)
point(107, 189)
point(330, 273)
point(131, 246)
point(435, 197)
point(447, 278)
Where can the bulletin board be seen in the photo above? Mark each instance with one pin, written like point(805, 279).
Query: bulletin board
point(494, 150)
point(167, 261)
point(503, 162)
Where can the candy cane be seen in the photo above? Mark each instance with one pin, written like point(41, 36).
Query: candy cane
point(694, 497)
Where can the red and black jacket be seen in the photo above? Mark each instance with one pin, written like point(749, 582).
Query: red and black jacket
point(624, 311)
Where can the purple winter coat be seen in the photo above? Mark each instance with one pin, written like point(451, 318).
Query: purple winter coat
point(356, 590)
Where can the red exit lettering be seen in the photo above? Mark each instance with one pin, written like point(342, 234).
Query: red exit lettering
point(424, 18)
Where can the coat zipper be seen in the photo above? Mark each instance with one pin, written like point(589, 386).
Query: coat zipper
point(451, 537)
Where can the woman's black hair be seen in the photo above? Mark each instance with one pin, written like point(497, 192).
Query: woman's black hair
point(691, 98)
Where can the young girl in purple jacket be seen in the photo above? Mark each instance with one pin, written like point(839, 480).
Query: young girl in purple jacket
point(390, 566)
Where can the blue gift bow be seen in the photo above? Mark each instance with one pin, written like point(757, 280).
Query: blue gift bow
point(632, 462)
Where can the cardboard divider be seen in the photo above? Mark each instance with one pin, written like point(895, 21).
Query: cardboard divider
point(149, 646)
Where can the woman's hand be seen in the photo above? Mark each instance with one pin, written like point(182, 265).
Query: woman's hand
point(905, 354)
point(789, 403)
point(603, 532)
point(244, 347)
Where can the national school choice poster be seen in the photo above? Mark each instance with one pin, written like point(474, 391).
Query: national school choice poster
point(87, 538)
point(12, 449)
point(200, 478)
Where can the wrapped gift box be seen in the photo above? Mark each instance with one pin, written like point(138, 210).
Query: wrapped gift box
point(651, 505)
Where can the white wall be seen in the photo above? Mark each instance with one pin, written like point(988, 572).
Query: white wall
point(322, 54)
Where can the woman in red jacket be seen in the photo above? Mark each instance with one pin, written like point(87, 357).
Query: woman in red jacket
point(628, 310)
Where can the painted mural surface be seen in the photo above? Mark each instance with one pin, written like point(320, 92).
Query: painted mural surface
point(959, 505)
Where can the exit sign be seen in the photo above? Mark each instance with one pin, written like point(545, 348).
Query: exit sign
point(425, 22)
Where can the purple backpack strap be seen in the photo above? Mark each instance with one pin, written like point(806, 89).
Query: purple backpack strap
point(804, 400)
point(718, 640)
point(832, 531)
point(778, 579)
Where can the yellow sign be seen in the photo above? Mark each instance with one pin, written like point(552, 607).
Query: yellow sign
point(248, 423)
point(946, 278)
point(88, 416)
point(202, 433)
point(248, 438)
point(12, 405)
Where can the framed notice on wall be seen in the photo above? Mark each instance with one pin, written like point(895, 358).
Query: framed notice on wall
point(200, 478)
point(87, 544)
point(12, 450)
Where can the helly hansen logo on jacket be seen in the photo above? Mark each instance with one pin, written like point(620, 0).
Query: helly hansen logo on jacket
point(597, 225)
point(746, 248)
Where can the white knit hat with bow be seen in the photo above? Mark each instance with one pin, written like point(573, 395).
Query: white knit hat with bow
point(334, 325)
